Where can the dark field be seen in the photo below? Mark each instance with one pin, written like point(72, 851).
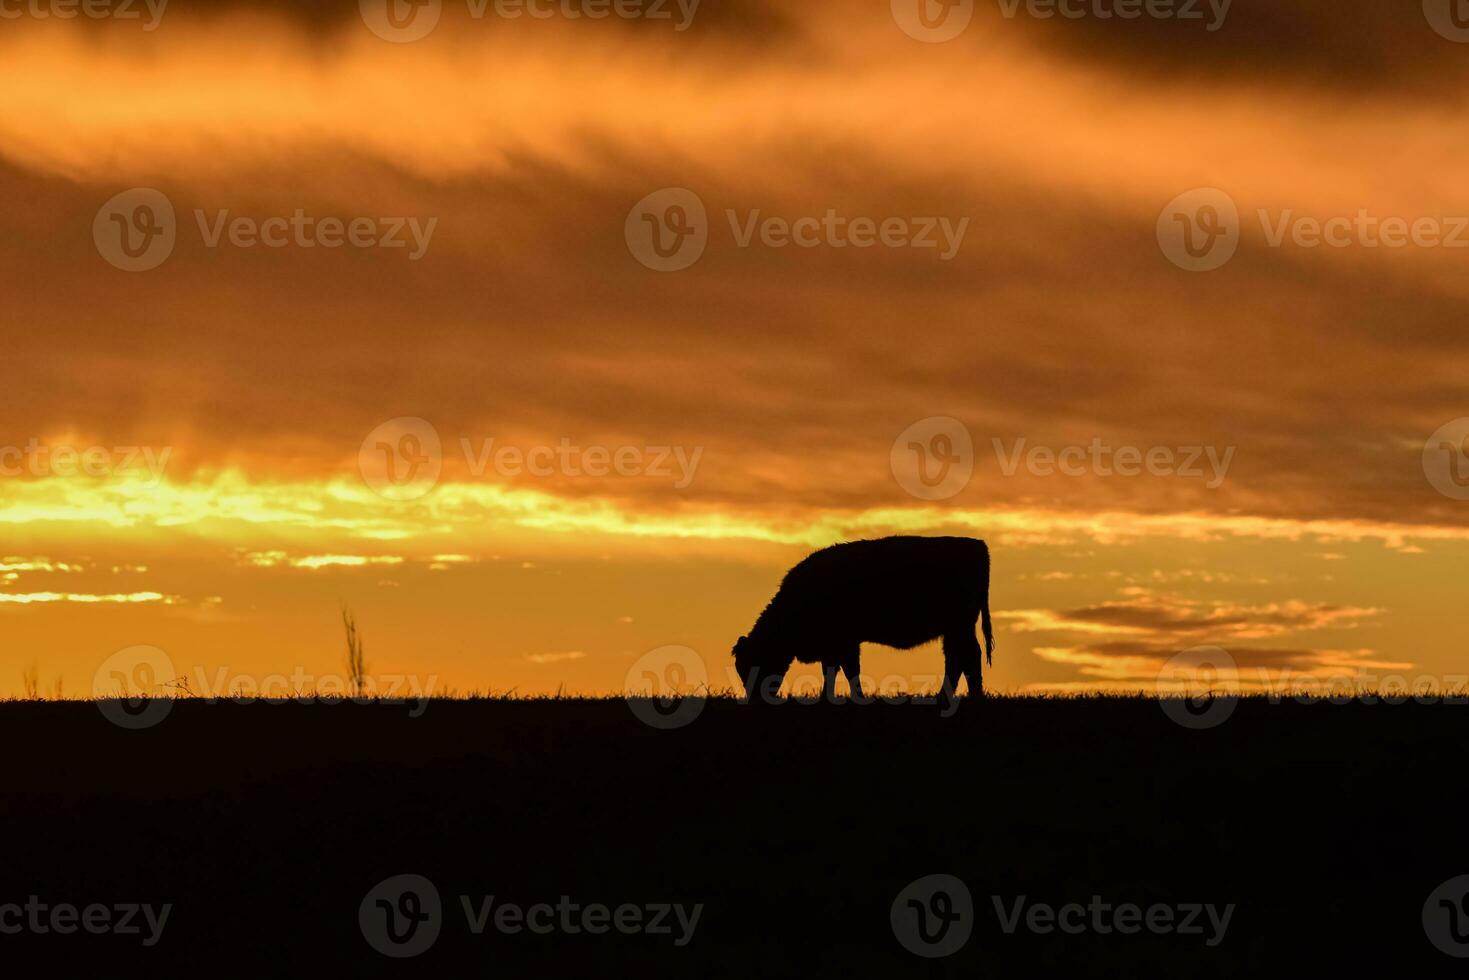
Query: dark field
point(796, 826)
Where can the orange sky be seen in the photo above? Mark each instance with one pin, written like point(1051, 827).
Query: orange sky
point(760, 391)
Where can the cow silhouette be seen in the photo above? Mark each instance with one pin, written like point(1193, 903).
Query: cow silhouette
point(898, 591)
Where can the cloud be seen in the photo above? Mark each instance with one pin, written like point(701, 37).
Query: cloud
point(87, 598)
point(554, 658)
point(1134, 664)
point(1352, 47)
point(1146, 613)
point(271, 559)
point(1134, 640)
point(528, 320)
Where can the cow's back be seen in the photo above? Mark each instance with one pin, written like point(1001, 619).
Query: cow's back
point(898, 591)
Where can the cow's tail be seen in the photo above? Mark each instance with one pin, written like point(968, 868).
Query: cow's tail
point(989, 633)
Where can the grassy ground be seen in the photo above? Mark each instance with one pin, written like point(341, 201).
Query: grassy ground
point(795, 827)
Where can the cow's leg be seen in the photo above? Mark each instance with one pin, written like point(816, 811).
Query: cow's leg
point(973, 663)
point(962, 655)
point(829, 681)
point(852, 667)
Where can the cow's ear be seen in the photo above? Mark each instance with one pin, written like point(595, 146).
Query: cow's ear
point(741, 642)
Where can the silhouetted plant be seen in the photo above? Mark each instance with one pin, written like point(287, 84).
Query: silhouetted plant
point(356, 664)
point(30, 678)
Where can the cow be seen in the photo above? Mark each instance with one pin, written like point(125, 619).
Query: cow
point(897, 591)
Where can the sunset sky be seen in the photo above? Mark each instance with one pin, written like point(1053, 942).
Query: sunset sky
point(759, 391)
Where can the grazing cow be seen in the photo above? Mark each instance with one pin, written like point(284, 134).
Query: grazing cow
point(899, 592)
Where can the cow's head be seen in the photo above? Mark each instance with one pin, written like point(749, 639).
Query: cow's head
point(761, 668)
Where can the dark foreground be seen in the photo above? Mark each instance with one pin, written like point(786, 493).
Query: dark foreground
point(265, 827)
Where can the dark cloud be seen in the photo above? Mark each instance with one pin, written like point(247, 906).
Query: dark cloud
point(1243, 657)
point(1353, 47)
point(1181, 618)
point(1059, 321)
